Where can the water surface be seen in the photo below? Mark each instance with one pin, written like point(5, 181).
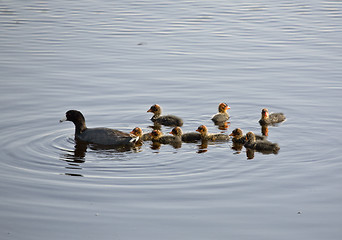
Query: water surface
point(112, 61)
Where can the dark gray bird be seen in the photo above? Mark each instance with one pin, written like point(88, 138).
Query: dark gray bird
point(101, 136)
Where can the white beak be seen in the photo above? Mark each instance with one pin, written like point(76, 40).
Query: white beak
point(63, 119)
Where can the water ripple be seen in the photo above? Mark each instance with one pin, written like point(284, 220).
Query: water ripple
point(56, 152)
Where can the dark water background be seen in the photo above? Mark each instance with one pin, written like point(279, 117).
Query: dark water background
point(112, 60)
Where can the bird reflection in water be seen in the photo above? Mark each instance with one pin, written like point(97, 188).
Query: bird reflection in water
point(76, 158)
point(203, 147)
point(223, 126)
point(157, 145)
point(156, 126)
point(250, 153)
point(264, 130)
point(237, 147)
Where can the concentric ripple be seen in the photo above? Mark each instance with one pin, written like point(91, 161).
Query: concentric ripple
point(46, 150)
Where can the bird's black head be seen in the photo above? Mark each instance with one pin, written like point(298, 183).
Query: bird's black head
point(75, 117)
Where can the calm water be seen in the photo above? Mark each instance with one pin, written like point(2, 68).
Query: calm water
point(112, 61)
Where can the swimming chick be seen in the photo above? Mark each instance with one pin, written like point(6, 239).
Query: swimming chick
point(272, 118)
point(137, 131)
point(260, 145)
point(222, 114)
point(203, 130)
point(167, 120)
point(238, 136)
point(158, 138)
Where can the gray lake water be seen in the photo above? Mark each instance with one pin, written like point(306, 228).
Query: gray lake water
point(112, 60)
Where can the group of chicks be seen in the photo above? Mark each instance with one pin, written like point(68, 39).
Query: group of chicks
point(113, 137)
point(250, 141)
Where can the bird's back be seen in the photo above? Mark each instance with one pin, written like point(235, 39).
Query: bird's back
point(106, 136)
point(191, 137)
point(169, 120)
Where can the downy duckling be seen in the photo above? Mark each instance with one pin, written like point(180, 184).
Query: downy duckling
point(222, 114)
point(260, 145)
point(267, 119)
point(137, 131)
point(203, 130)
point(238, 136)
point(186, 137)
point(167, 120)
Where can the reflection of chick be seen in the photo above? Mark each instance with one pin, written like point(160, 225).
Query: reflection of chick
point(139, 133)
point(167, 120)
point(264, 130)
point(272, 118)
point(250, 153)
point(237, 146)
point(202, 148)
point(222, 114)
point(260, 145)
point(203, 130)
point(155, 145)
point(238, 136)
point(223, 125)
